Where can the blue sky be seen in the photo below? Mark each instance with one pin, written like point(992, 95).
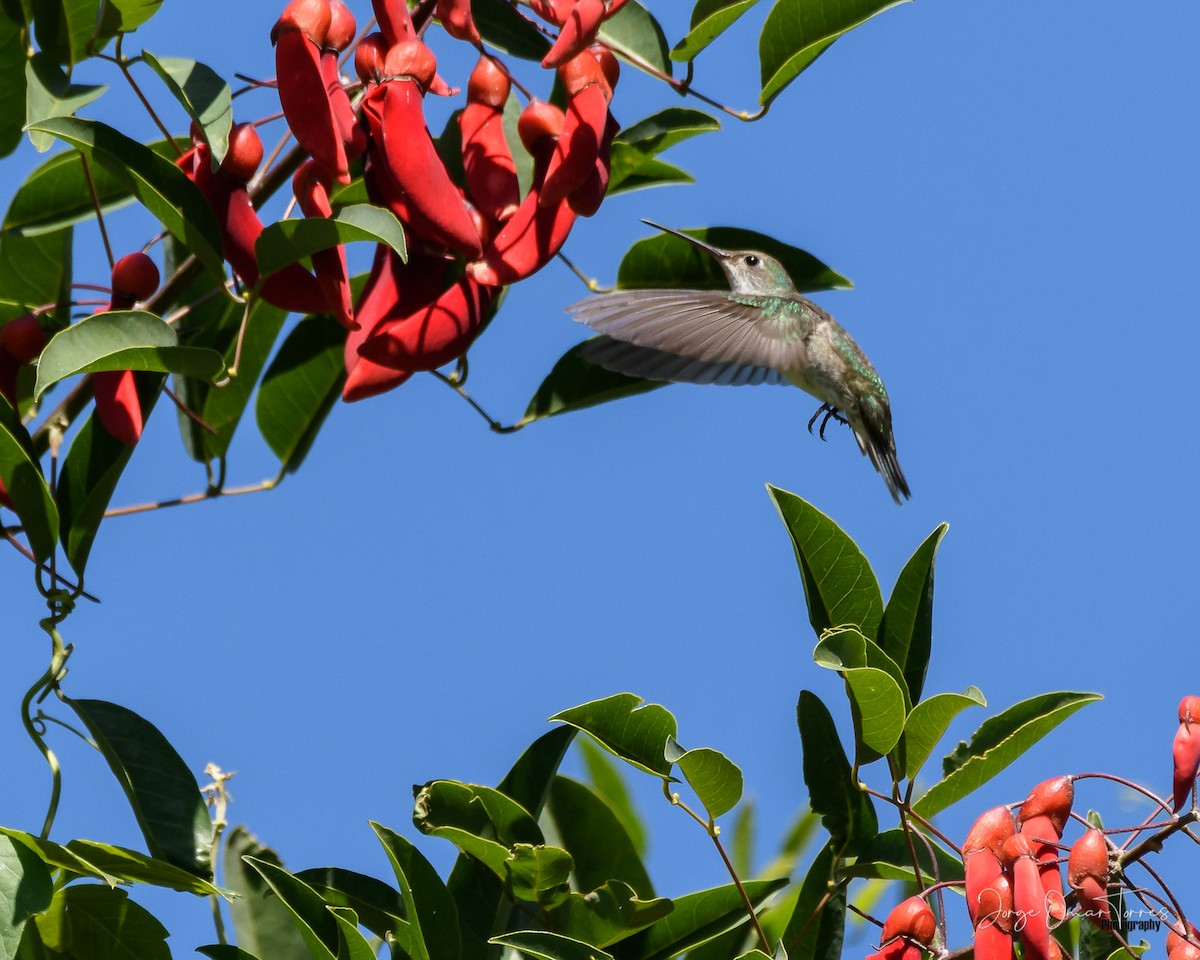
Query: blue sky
point(1012, 188)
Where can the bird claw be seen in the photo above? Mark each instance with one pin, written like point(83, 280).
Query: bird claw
point(830, 411)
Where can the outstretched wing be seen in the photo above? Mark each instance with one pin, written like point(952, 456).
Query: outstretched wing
point(710, 326)
point(651, 364)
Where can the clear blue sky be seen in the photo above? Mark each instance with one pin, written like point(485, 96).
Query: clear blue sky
point(1011, 186)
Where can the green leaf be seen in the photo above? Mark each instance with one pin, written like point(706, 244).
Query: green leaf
point(879, 710)
point(634, 33)
point(89, 476)
point(608, 914)
point(122, 340)
point(887, 856)
point(35, 271)
point(710, 18)
point(161, 790)
point(906, 633)
point(593, 834)
point(378, 907)
point(263, 925)
point(928, 722)
point(316, 924)
point(839, 584)
point(300, 387)
point(291, 240)
point(846, 812)
point(502, 26)
point(12, 84)
point(609, 785)
point(51, 94)
point(27, 488)
point(715, 778)
point(544, 945)
point(796, 32)
point(539, 874)
point(697, 918)
point(432, 917)
point(666, 261)
point(162, 188)
point(59, 857)
point(637, 734)
point(480, 821)
point(203, 95)
point(56, 194)
point(103, 922)
point(26, 888)
point(574, 384)
point(65, 29)
point(110, 863)
point(226, 951)
point(356, 945)
point(817, 925)
point(633, 170)
point(118, 16)
point(634, 162)
point(998, 742)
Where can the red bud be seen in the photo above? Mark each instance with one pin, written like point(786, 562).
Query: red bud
point(134, 277)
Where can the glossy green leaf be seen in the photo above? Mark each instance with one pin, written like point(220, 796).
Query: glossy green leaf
point(887, 856)
point(665, 261)
point(697, 918)
point(539, 873)
point(118, 16)
point(161, 790)
point(634, 33)
point(59, 857)
point(300, 387)
point(316, 924)
point(817, 925)
point(65, 29)
point(354, 944)
point(482, 905)
point(221, 408)
point(998, 742)
point(162, 188)
point(596, 838)
point(27, 488)
point(433, 920)
point(49, 93)
point(204, 96)
point(839, 585)
point(796, 32)
point(609, 785)
point(845, 647)
point(574, 384)
point(263, 925)
point(480, 821)
point(633, 170)
point(710, 18)
point(103, 922)
point(291, 240)
point(622, 725)
point(107, 862)
point(715, 778)
point(607, 915)
point(846, 812)
point(634, 164)
point(35, 271)
point(544, 945)
point(25, 889)
point(504, 27)
point(122, 340)
point(227, 951)
point(378, 907)
point(89, 476)
point(928, 722)
point(12, 84)
point(880, 714)
point(906, 633)
point(56, 194)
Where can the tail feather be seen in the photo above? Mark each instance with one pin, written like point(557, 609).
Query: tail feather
point(873, 431)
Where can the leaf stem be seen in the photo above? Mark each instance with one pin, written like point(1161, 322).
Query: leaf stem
point(496, 425)
point(123, 63)
point(87, 175)
point(210, 494)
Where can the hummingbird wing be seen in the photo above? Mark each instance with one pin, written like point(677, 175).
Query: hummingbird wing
point(710, 326)
point(651, 364)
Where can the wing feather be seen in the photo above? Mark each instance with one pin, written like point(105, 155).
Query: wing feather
point(651, 364)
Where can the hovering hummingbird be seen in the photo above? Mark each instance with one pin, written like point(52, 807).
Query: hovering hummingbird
point(759, 331)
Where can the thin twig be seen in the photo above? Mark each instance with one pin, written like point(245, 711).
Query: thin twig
point(87, 175)
point(211, 494)
point(496, 425)
point(8, 532)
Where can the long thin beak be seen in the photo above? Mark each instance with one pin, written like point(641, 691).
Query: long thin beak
point(712, 251)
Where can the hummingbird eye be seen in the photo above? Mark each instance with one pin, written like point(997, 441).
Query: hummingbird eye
point(751, 260)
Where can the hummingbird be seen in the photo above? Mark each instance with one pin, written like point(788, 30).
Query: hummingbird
point(761, 330)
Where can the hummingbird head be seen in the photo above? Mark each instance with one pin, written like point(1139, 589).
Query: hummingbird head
point(749, 272)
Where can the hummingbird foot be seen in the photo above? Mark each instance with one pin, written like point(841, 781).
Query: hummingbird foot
point(830, 411)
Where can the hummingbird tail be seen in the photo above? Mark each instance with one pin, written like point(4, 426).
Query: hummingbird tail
point(873, 431)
